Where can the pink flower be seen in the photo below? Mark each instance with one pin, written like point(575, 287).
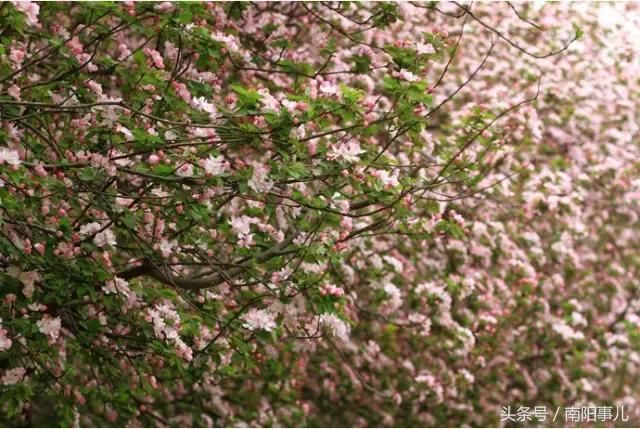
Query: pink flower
point(259, 181)
point(155, 57)
point(30, 9)
point(201, 103)
point(406, 75)
point(214, 165)
point(40, 171)
point(328, 88)
point(50, 326)
point(268, 100)
point(105, 238)
point(166, 326)
point(348, 151)
point(259, 121)
point(9, 156)
point(166, 321)
point(94, 86)
point(14, 376)
point(332, 290)
point(27, 278)
point(5, 341)
point(154, 159)
point(167, 247)
point(14, 91)
point(165, 6)
point(335, 326)
point(40, 248)
point(75, 46)
point(89, 229)
point(242, 225)
point(256, 320)
point(116, 286)
point(185, 170)
point(425, 48)
point(229, 40)
point(16, 56)
point(184, 351)
point(125, 131)
point(312, 147)
point(388, 180)
point(290, 106)
point(123, 51)
point(182, 91)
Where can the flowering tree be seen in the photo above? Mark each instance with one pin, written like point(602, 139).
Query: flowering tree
point(316, 213)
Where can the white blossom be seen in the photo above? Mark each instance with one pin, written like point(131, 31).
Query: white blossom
point(259, 181)
point(348, 151)
point(256, 319)
point(11, 157)
point(105, 238)
point(214, 165)
point(336, 327)
point(50, 326)
point(14, 376)
point(5, 341)
point(425, 48)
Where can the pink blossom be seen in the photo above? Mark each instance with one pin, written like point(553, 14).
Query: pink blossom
point(331, 289)
point(268, 100)
point(242, 225)
point(155, 57)
point(14, 376)
point(31, 9)
point(75, 45)
point(214, 165)
point(425, 48)
point(40, 170)
point(229, 40)
point(27, 278)
point(259, 121)
point(154, 159)
point(291, 106)
point(256, 320)
point(116, 286)
point(182, 91)
point(125, 131)
point(123, 51)
point(9, 156)
point(259, 181)
point(183, 350)
point(185, 170)
point(5, 341)
point(14, 91)
point(105, 238)
point(40, 248)
point(50, 326)
point(406, 75)
point(347, 151)
point(16, 56)
point(387, 179)
point(329, 88)
point(167, 247)
point(335, 326)
point(165, 6)
point(90, 229)
point(166, 326)
point(202, 104)
point(94, 86)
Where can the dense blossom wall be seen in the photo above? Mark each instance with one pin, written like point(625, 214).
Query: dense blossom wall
point(321, 214)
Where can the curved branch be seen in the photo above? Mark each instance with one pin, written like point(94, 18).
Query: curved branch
point(149, 269)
